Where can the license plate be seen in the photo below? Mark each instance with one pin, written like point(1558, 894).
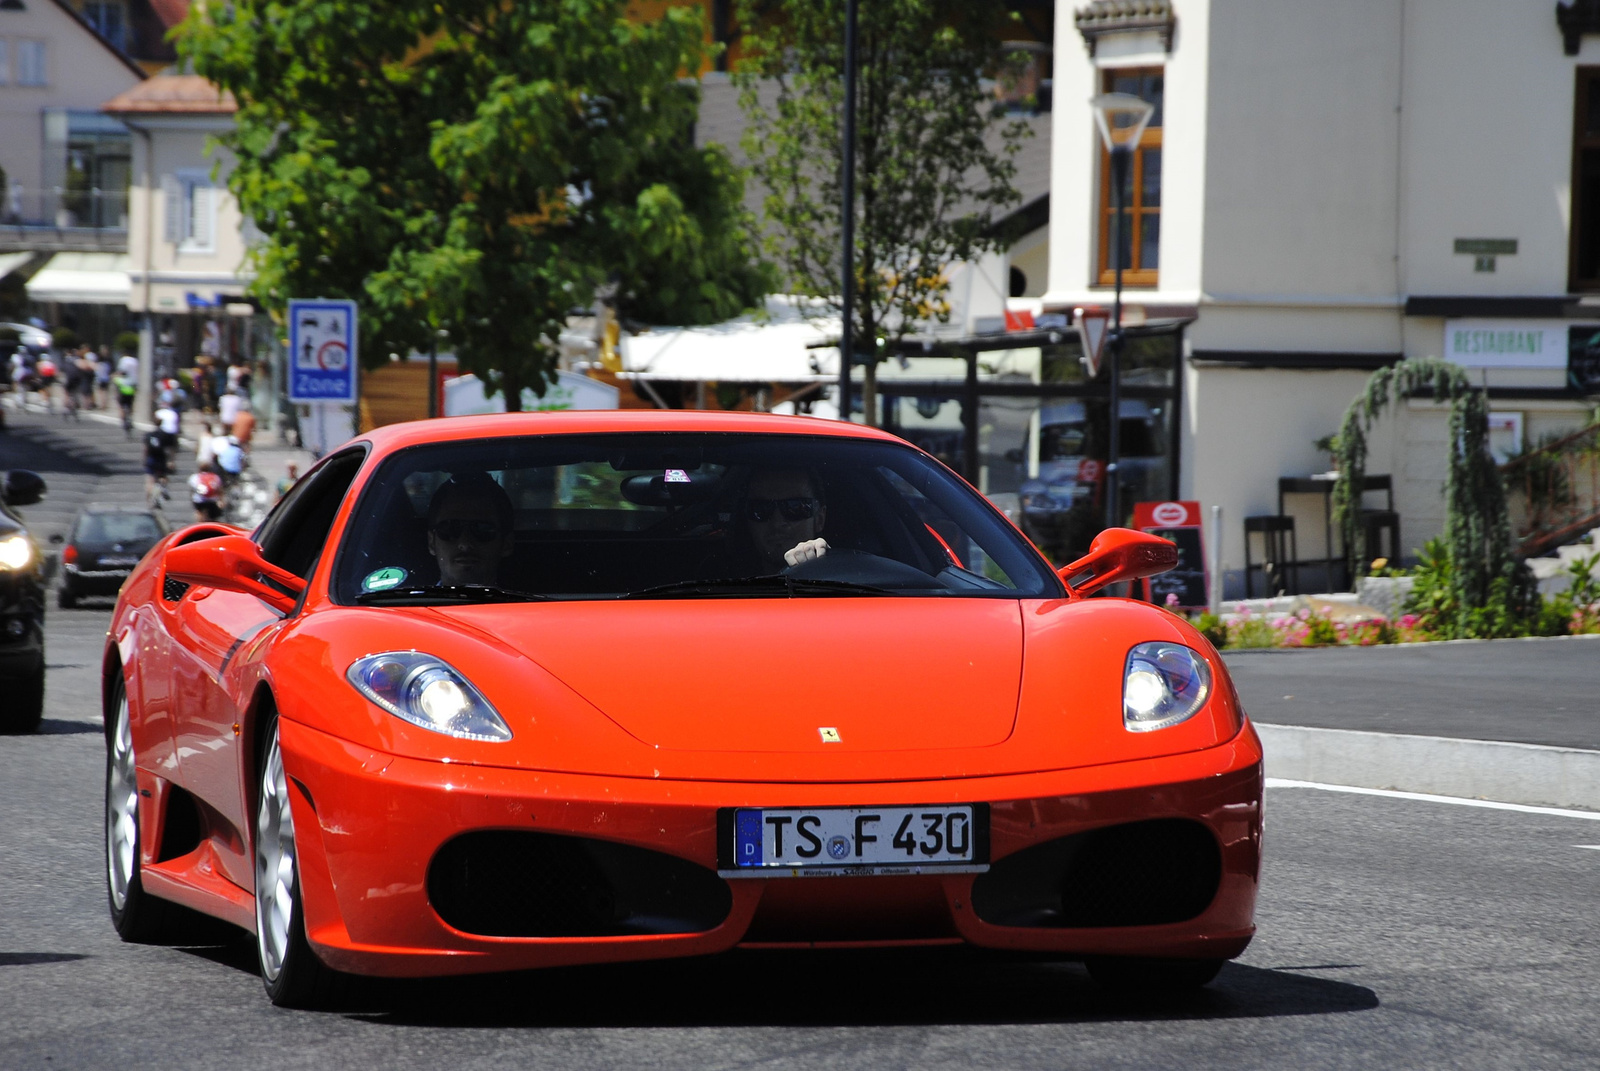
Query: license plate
point(853, 841)
point(119, 561)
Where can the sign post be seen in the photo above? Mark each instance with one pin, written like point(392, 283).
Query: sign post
point(1179, 522)
point(1092, 331)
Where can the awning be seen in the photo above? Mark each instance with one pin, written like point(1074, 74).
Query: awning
point(10, 262)
point(746, 350)
point(82, 279)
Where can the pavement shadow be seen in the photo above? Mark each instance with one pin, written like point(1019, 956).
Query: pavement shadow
point(898, 988)
point(63, 727)
point(28, 959)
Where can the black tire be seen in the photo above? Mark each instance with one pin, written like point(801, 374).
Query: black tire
point(1145, 975)
point(66, 598)
point(293, 975)
point(137, 916)
point(24, 703)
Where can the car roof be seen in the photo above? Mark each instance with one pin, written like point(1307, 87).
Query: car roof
point(115, 507)
point(609, 421)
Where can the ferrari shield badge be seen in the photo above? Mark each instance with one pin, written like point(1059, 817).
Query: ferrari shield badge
point(383, 579)
point(830, 735)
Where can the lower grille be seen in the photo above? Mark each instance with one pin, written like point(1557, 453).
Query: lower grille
point(1137, 874)
point(516, 884)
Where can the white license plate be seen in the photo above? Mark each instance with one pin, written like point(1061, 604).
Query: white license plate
point(803, 841)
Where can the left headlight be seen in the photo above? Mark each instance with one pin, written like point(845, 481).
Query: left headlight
point(1163, 684)
point(15, 552)
point(427, 692)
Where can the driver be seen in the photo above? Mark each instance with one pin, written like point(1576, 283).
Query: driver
point(470, 529)
point(783, 514)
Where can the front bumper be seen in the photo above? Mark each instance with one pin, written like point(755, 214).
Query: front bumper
point(368, 824)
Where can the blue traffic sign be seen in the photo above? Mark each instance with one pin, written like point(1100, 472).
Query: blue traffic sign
point(322, 350)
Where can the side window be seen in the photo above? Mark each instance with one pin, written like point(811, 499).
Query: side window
point(295, 531)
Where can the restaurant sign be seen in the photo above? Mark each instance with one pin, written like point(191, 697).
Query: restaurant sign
point(1506, 343)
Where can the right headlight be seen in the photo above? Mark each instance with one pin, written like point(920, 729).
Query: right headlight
point(427, 692)
point(1163, 684)
point(15, 552)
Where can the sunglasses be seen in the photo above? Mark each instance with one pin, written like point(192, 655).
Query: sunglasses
point(792, 509)
point(477, 531)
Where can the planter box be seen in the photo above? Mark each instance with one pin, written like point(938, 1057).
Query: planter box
point(1385, 594)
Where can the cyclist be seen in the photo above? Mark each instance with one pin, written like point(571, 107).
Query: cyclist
point(125, 388)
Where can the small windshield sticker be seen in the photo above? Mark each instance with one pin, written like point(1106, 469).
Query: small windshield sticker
point(676, 476)
point(383, 579)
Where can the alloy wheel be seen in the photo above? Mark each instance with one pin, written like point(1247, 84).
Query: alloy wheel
point(122, 810)
point(275, 876)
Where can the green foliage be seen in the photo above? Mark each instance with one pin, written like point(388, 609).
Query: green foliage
point(1213, 629)
point(1320, 631)
point(927, 185)
point(64, 338)
point(9, 334)
point(477, 168)
point(1489, 589)
point(128, 342)
point(1254, 632)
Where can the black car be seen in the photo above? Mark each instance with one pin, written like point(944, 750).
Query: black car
point(21, 608)
point(102, 548)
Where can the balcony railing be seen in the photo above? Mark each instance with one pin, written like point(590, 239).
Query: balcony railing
point(62, 217)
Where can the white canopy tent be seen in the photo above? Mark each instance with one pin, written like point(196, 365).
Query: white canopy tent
point(82, 279)
point(776, 348)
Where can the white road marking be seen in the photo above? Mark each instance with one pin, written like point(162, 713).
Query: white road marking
point(1493, 805)
point(1591, 847)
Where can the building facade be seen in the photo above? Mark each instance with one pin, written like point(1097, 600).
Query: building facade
point(1326, 189)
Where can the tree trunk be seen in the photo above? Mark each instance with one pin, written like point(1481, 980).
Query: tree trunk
point(511, 387)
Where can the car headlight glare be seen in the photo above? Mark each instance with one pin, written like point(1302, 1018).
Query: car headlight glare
point(1163, 684)
point(15, 552)
point(429, 693)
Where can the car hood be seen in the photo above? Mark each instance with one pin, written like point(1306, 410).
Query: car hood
point(771, 675)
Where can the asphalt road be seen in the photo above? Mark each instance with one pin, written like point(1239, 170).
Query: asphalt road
point(1393, 933)
point(1531, 691)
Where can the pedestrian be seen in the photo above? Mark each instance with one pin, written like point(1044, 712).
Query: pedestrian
point(79, 381)
point(206, 495)
point(229, 459)
point(244, 425)
point(205, 452)
point(44, 372)
point(157, 465)
point(228, 410)
point(129, 366)
point(102, 381)
point(125, 388)
point(291, 473)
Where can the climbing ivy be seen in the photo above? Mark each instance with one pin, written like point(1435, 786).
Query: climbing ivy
point(1491, 592)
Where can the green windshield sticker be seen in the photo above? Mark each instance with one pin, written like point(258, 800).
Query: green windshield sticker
point(384, 578)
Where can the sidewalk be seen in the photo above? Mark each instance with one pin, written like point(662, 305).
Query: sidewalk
point(96, 441)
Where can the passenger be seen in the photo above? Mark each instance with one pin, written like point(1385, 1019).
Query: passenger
point(470, 529)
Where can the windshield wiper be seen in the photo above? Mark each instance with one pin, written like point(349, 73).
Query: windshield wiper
point(755, 586)
point(446, 593)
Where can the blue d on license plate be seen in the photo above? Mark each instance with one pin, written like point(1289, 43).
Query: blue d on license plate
point(857, 840)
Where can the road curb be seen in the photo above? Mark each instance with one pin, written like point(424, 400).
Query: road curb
point(1442, 766)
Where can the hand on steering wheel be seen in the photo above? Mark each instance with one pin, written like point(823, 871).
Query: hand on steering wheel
point(810, 550)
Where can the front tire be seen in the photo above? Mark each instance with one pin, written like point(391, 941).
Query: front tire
point(137, 916)
point(1141, 975)
point(290, 970)
point(66, 598)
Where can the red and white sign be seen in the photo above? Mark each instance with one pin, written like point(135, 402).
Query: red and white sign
point(1166, 515)
point(1092, 322)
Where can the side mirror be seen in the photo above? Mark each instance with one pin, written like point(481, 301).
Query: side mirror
point(1119, 554)
point(23, 488)
point(234, 563)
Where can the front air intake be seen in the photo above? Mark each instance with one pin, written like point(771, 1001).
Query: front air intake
point(1137, 874)
point(517, 884)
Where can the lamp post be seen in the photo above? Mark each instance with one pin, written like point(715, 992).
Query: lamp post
point(847, 184)
point(1121, 119)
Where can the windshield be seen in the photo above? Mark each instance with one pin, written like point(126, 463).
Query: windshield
point(675, 515)
point(118, 528)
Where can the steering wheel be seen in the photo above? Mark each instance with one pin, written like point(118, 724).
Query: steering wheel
point(861, 567)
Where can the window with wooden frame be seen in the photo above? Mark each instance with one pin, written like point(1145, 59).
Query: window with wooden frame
point(1141, 230)
point(1584, 259)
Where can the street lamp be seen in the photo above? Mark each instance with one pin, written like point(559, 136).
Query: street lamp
point(1121, 118)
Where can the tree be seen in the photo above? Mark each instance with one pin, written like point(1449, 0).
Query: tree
point(1489, 591)
point(477, 168)
point(927, 181)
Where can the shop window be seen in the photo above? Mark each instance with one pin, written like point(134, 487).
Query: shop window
point(1141, 229)
point(1585, 254)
